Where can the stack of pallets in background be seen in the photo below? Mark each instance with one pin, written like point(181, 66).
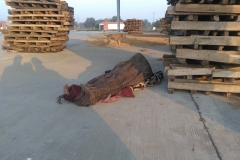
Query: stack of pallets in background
point(165, 24)
point(38, 25)
point(133, 26)
point(205, 40)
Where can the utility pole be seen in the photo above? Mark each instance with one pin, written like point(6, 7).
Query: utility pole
point(118, 15)
point(153, 16)
point(78, 22)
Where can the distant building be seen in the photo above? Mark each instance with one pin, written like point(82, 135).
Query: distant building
point(3, 25)
point(110, 26)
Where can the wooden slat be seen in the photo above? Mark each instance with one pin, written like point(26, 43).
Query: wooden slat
point(210, 55)
point(37, 15)
point(35, 41)
point(226, 88)
point(208, 8)
point(31, 2)
point(35, 9)
point(211, 26)
point(37, 20)
point(205, 81)
point(8, 36)
point(171, 12)
point(189, 71)
point(205, 40)
point(43, 31)
point(32, 25)
point(226, 73)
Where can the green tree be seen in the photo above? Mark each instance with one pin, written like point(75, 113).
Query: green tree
point(146, 24)
point(76, 25)
point(157, 24)
point(114, 19)
point(90, 23)
point(97, 22)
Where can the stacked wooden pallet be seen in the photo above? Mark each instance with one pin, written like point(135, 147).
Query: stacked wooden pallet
point(38, 25)
point(133, 26)
point(205, 44)
point(166, 25)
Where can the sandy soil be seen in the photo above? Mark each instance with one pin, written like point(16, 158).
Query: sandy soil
point(131, 40)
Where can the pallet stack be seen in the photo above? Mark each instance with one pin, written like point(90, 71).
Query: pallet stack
point(38, 25)
point(205, 44)
point(133, 26)
point(166, 25)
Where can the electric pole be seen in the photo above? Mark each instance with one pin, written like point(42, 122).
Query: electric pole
point(118, 15)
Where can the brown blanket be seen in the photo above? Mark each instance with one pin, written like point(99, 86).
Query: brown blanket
point(124, 74)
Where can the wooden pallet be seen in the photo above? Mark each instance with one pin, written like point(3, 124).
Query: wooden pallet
point(32, 49)
point(38, 26)
point(204, 86)
point(208, 35)
point(225, 2)
point(35, 37)
point(32, 43)
point(39, 17)
point(34, 11)
point(217, 77)
point(133, 26)
point(43, 22)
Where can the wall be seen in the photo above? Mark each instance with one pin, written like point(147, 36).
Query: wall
point(114, 26)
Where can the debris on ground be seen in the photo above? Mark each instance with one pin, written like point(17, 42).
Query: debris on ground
point(144, 50)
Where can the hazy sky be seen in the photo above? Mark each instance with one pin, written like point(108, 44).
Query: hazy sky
point(100, 9)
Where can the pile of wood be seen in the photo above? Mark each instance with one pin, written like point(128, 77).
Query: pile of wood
point(133, 26)
point(205, 43)
point(38, 25)
point(166, 24)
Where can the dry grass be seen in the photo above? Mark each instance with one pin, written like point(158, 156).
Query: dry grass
point(131, 40)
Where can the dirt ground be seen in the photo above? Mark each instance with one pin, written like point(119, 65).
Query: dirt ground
point(131, 40)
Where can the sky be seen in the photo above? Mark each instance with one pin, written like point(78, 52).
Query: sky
point(100, 9)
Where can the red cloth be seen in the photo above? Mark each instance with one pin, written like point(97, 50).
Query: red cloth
point(127, 92)
point(74, 91)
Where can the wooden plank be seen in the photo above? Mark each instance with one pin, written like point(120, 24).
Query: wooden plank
point(31, 2)
point(230, 88)
point(208, 8)
point(226, 73)
point(28, 36)
point(205, 40)
point(37, 20)
point(28, 41)
point(64, 29)
point(189, 71)
point(32, 25)
point(37, 15)
point(201, 26)
point(210, 55)
point(34, 31)
point(205, 81)
point(171, 12)
point(34, 9)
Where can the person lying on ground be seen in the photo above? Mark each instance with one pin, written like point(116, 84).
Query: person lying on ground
point(117, 81)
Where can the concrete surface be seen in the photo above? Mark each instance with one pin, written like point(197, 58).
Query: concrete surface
point(152, 126)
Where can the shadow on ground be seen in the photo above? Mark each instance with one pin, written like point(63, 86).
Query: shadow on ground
point(33, 126)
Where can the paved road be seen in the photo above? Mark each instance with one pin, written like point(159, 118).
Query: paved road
point(152, 126)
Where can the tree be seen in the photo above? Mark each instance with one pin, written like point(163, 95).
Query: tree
point(90, 23)
point(81, 25)
point(76, 25)
point(114, 19)
point(146, 24)
point(157, 24)
point(97, 22)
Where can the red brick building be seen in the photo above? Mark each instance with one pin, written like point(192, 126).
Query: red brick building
point(110, 26)
point(3, 25)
